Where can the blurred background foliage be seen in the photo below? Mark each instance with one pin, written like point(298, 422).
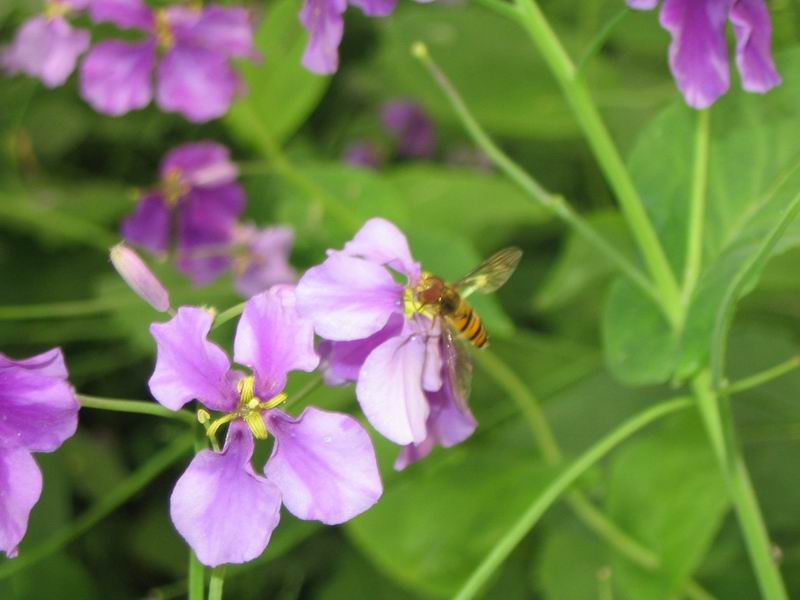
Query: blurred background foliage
point(68, 175)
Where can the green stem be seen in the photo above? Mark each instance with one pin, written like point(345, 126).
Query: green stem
point(55, 310)
point(719, 428)
point(600, 39)
point(228, 314)
point(556, 204)
point(761, 377)
point(697, 207)
point(216, 583)
point(606, 154)
point(501, 7)
point(156, 465)
point(197, 572)
point(560, 485)
point(135, 406)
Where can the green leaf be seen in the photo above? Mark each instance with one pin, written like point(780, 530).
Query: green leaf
point(281, 92)
point(667, 492)
point(753, 187)
point(572, 564)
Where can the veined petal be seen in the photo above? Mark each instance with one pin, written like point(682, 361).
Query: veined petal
point(325, 25)
point(324, 465)
point(20, 488)
point(753, 29)
point(149, 225)
point(38, 407)
point(47, 48)
point(123, 13)
point(342, 361)
point(348, 298)
point(226, 29)
point(698, 55)
point(188, 366)
point(203, 164)
point(224, 511)
point(272, 339)
point(389, 389)
point(196, 82)
point(116, 76)
point(207, 218)
point(380, 241)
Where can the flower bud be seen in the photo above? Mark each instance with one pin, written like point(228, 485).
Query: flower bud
point(139, 277)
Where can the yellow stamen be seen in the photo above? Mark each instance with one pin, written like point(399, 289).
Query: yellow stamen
point(412, 306)
point(212, 429)
point(203, 417)
point(173, 187)
point(247, 389)
point(255, 422)
point(276, 401)
point(163, 32)
point(55, 8)
point(249, 410)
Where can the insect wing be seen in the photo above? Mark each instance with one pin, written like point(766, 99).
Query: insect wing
point(491, 274)
point(459, 366)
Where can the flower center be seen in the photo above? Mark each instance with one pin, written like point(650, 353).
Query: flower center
point(420, 299)
point(173, 187)
point(249, 410)
point(164, 35)
point(56, 8)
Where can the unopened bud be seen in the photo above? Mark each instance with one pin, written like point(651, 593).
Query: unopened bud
point(139, 277)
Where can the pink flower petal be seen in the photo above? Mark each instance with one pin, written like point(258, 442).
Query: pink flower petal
point(224, 511)
point(324, 465)
point(381, 242)
point(116, 77)
point(753, 29)
point(20, 488)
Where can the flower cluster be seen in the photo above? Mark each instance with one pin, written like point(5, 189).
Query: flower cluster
point(196, 209)
point(322, 465)
point(38, 412)
point(182, 59)
point(376, 335)
point(698, 55)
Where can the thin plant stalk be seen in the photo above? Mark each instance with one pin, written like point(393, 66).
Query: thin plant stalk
point(761, 377)
point(196, 573)
point(503, 548)
point(136, 407)
point(216, 582)
point(697, 206)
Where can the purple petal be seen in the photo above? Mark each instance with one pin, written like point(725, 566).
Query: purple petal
point(47, 48)
point(116, 76)
point(272, 340)
point(343, 360)
point(123, 13)
point(203, 164)
point(389, 389)
point(139, 277)
point(188, 366)
point(77, 5)
point(324, 465)
point(207, 219)
point(348, 298)
point(20, 488)
point(266, 259)
point(363, 154)
point(227, 30)
point(753, 29)
point(412, 127)
point(223, 509)
point(698, 55)
point(449, 423)
point(642, 4)
point(196, 82)
point(149, 225)
point(380, 241)
point(38, 407)
point(325, 25)
point(375, 8)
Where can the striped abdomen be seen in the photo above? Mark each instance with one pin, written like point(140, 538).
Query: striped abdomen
point(466, 321)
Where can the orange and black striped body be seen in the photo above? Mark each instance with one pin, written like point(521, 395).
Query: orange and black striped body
point(466, 321)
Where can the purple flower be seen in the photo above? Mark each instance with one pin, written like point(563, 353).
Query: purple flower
point(379, 336)
point(698, 55)
point(262, 258)
point(364, 154)
point(324, 20)
point(47, 46)
point(38, 412)
point(200, 201)
point(322, 465)
point(188, 48)
point(412, 128)
point(139, 277)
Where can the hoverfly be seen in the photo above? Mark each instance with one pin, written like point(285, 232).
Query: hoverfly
point(447, 300)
